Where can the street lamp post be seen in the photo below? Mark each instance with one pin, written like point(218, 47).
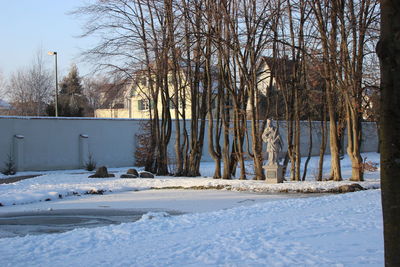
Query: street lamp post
point(56, 98)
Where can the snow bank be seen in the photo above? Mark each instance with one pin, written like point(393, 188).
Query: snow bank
point(54, 185)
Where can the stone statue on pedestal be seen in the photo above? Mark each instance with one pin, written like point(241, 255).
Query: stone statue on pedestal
point(273, 171)
point(274, 144)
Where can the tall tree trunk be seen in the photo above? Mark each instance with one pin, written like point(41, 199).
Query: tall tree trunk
point(213, 145)
point(323, 144)
point(226, 174)
point(389, 54)
point(174, 74)
point(310, 145)
point(336, 173)
point(353, 145)
point(297, 135)
point(329, 50)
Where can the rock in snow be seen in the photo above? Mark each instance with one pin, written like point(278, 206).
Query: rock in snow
point(102, 172)
point(146, 175)
point(128, 176)
point(133, 172)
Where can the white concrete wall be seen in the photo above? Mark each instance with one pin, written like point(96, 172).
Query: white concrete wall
point(65, 143)
point(50, 143)
point(369, 141)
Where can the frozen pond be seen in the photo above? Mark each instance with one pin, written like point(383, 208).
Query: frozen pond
point(101, 210)
point(58, 221)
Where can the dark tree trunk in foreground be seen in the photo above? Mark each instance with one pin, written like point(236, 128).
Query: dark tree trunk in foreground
point(389, 54)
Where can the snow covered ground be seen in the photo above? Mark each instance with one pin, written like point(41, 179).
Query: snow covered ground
point(336, 230)
point(332, 230)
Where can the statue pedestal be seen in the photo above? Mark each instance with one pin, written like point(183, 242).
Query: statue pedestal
point(273, 174)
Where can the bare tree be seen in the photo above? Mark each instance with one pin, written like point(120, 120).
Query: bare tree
point(356, 18)
point(2, 85)
point(326, 17)
point(134, 41)
point(194, 25)
point(31, 89)
point(93, 90)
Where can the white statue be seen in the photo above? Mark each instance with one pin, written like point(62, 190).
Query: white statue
point(274, 144)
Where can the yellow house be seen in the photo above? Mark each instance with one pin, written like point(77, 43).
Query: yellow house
point(135, 100)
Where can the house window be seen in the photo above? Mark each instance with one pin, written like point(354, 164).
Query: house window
point(172, 104)
point(143, 81)
point(144, 104)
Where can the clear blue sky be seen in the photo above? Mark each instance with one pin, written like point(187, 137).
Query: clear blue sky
point(29, 25)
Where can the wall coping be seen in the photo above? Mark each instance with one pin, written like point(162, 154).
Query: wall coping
point(116, 119)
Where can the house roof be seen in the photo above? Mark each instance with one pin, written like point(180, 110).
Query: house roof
point(282, 70)
point(113, 94)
